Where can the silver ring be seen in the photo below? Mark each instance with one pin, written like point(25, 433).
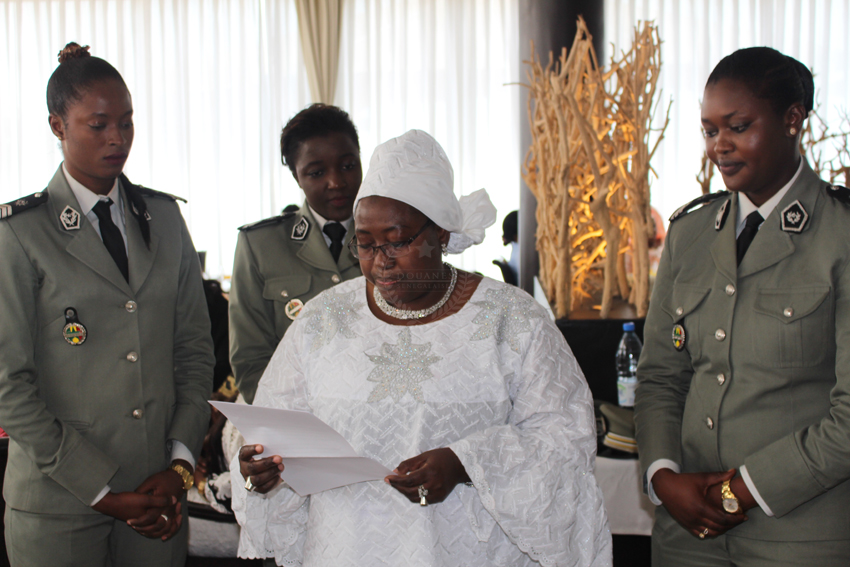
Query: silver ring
point(164, 516)
point(703, 533)
point(423, 492)
point(249, 486)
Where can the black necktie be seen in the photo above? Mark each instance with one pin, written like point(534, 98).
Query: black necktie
point(754, 220)
point(112, 237)
point(337, 232)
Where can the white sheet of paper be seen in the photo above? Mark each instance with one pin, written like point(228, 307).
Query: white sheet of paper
point(315, 456)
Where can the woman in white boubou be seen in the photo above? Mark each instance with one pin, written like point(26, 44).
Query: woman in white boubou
point(419, 358)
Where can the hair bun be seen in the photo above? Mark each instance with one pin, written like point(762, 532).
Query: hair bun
point(73, 51)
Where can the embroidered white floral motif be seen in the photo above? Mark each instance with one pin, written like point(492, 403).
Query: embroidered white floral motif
point(793, 217)
point(336, 315)
point(504, 315)
point(400, 369)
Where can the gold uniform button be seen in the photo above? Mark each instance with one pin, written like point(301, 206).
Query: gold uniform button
point(138, 414)
point(721, 379)
point(284, 293)
point(719, 334)
point(679, 311)
point(730, 289)
point(335, 278)
point(132, 356)
point(709, 423)
point(131, 306)
point(788, 312)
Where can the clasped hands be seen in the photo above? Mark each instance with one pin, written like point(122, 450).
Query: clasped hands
point(153, 509)
point(695, 501)
point(438, 470)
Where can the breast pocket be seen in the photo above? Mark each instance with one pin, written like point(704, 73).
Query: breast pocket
point(682, 305)
point(288, 294)
point(794, 326)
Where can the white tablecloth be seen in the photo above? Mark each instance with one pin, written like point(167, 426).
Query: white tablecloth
point(629, 510)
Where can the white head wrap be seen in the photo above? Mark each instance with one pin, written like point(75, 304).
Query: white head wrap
point(414, 169)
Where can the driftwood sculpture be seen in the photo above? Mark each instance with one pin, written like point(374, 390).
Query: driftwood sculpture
point(815, 140)
point(588, 167)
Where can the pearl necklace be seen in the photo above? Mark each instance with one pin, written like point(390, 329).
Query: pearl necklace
point(397, 313)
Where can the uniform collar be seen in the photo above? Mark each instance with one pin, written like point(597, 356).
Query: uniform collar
point(745, 206)
point(322, 221)
point(87, 198)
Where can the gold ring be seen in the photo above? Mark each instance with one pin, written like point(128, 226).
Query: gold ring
point(249, 486)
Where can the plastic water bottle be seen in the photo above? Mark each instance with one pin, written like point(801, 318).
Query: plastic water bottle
point(628, 354)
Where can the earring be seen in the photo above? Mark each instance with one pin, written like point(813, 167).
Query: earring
point(792, 131)
point(445, 249)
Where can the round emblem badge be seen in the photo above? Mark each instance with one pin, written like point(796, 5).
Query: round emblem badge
point(678, 337)
point(74, 333)
point(293, 308)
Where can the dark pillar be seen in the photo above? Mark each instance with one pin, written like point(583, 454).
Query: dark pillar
point(551, 24)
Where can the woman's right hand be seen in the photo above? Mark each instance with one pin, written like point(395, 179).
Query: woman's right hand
point(685, 496)
point(264, 473)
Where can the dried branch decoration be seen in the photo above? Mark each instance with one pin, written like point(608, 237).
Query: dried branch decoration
point(812, 145)
point(588, 167)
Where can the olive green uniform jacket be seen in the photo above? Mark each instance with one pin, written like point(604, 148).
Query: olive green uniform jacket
point(763, 379)
point(279, 262)
point(100, 412)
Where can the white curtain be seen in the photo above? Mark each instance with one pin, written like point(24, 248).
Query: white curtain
point(446, 67)
point(214, 81)
point(319, 22)
point(697, 34)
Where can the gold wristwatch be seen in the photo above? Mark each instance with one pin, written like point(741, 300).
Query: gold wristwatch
point(188, 477)
point(730, 501)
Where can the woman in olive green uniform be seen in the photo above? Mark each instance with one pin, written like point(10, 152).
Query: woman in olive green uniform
point(105, 350)
point(284, 261)
point(743, 405)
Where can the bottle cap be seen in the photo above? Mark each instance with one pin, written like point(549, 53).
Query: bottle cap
point(628, 326)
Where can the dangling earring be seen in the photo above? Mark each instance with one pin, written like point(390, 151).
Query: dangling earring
point(445, 249)
point(792, 131)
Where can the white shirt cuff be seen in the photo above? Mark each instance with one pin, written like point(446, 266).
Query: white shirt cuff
point(650, 472)
point(100, 496)
point(180, 451)
point(754, 491)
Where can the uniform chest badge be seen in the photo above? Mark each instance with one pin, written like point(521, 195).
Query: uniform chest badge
point(293, 308)
point(73, 332)
point(299, 231)
point(794, 217)
point(70, 218)
point(679, 336)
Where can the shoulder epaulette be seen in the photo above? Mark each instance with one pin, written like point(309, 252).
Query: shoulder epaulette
point(839, 193)
point(148, 192)
point(22, 204)
point(267, 222)
point(696, 203)
point(152, 193)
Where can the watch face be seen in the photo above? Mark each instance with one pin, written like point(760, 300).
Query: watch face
point(730, 505)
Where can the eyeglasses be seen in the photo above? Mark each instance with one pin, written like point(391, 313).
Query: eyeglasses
point(390, 249)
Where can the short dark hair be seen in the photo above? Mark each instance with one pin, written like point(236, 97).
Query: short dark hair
point(77, 71)
point(770, 75)
point(316, 120)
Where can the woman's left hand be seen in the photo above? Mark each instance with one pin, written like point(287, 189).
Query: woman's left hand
point(438, 471)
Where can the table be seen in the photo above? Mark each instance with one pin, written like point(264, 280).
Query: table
point(630, 511)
